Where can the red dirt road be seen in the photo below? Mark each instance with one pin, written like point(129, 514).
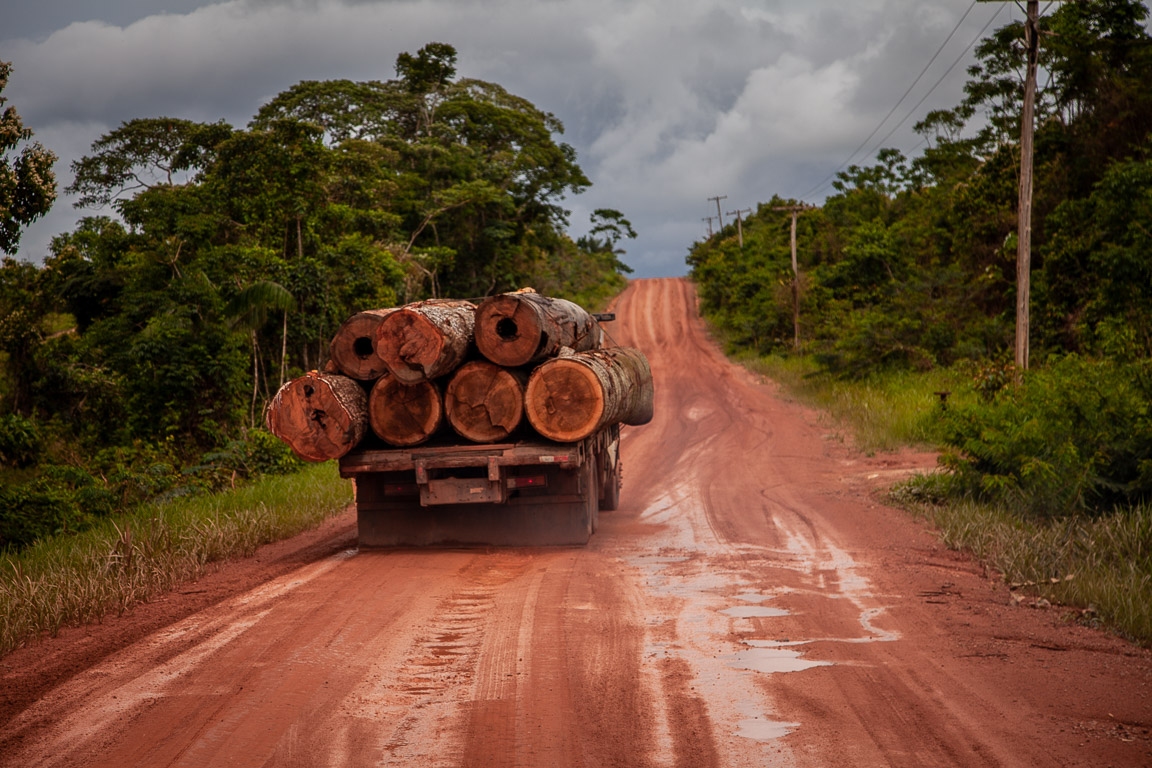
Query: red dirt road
point(752, 603)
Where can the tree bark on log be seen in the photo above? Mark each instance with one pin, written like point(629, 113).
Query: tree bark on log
point(515, 329)
point(485, 402)
point(353, 348)
point(405, 414)
point(427, 339)
point(320, 416)
point(573, 396)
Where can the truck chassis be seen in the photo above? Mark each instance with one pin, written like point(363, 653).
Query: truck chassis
point(526, 493)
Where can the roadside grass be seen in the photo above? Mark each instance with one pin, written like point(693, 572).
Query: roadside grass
point(883, 412)
point(73, 580)
point(1099, 564)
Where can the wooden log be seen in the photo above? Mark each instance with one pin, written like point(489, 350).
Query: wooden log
point(485, 402)
point(515, 329)
point(575, 395)
point(353, 348)
point(405, 414)
point(320, 416)
point(426, 339)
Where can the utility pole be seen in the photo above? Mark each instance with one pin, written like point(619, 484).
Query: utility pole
point(719, 216)
point(795, 210)
point(739, 223)
point(1024, 223)
point(1024, 206)
point(709, 220)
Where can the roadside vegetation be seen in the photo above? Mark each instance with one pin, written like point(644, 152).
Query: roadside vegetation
point(907, 289)
point(883, 411)
point(118, 562)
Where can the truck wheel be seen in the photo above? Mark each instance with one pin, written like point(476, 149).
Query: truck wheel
point(592, 505)
point(611, 490)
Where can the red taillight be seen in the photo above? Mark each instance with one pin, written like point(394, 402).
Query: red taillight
point(531, 481)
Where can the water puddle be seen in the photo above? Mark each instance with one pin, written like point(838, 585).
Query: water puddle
point(753, 612)
point(770, 660)
point(702, 578)
point(759, 729)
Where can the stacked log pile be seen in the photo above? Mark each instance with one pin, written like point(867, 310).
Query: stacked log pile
point(516, 364)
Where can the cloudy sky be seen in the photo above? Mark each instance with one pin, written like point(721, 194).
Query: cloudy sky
point(667, 102)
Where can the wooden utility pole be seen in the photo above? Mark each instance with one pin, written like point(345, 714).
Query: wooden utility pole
point(795, 211)
point(709, 220)
point(719, 216)
point(1024, 206)
point(739, 223)
point(1024, 223)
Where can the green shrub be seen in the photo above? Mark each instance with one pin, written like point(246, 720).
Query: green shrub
point(20, 441)
point(1076, 436)
point(257, 452)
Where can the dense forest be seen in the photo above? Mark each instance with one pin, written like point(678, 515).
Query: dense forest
point(138, 358)
point(911, 264)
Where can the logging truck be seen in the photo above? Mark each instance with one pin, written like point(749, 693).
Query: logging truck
point(528, 492)
point(518, 447)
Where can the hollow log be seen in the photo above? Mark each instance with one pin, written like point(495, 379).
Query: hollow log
point(405, 414)
point(485, 402)
point(353, 348)
point(573, 396)
point(515, 329)
point(427, 339)
point(320, 416)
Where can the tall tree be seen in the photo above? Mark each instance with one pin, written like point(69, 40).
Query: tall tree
point(27, 183)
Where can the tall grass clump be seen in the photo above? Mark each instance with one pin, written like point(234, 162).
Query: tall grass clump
point(883, 411)
point(128, 559)
point(1099, 563)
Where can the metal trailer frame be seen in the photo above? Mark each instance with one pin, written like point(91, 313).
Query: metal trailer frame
point(525, 493)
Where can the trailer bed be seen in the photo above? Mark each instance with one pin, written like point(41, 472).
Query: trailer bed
point(529, 492)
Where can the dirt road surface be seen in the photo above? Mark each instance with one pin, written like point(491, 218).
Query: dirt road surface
point(752, 603)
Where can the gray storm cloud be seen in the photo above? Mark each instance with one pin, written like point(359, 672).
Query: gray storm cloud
point(666, 103)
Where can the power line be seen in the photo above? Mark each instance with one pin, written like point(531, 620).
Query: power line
point(824, 182)
point(937, 83)
point(899, 100)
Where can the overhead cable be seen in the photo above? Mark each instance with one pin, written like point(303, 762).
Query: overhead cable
point(824, 182)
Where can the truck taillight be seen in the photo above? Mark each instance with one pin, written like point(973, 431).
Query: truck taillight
point(531, 481)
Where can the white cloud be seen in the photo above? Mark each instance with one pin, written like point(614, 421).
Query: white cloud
point(667, 101)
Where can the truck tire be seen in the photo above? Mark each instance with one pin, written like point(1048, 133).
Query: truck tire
point(591, 504)
point(611, 483)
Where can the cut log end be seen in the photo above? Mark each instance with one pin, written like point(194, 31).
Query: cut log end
point(320, 416)
point(571, 397)
point(405, 414)
point(484, 402)
point(410, 345)
point(353, 348)
point(515, 329)
point(426, 339)
point(509, 330)
point(564, 401)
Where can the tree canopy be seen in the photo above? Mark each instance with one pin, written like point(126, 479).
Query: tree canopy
point(27, 183)
point(911, 262)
